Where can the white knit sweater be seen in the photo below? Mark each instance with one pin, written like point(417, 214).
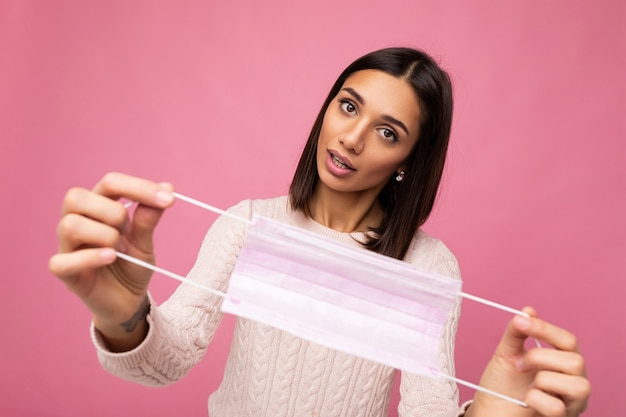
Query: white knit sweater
point(270, 372)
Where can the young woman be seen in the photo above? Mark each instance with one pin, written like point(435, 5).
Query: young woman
point(368, 177)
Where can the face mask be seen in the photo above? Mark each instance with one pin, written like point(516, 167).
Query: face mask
point(345, 298)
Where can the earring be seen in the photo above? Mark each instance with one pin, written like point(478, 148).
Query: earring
point(400, 176)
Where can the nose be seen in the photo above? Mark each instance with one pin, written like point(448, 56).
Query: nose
point(353, 137)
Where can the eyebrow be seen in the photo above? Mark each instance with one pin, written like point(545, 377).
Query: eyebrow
point(385, 117)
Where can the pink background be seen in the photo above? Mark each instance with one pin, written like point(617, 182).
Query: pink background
point(218, 98)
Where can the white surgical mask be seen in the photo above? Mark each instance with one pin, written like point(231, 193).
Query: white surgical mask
point(342, 297)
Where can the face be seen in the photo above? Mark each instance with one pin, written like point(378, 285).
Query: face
point(369, 130)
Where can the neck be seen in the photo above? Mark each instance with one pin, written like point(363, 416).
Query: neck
point(345, 212)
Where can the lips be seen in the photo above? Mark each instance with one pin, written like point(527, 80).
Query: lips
point(340, 161)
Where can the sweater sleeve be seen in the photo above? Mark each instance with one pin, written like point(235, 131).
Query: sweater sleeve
point(181, 329)
point(422, 396)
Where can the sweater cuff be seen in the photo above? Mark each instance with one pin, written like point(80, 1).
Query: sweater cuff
point(464, 408)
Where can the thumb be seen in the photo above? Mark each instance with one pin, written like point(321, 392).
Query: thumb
point(145, 220)
point(502, 373)
point(515, 335)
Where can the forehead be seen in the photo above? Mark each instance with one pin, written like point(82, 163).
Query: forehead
point(386, 94)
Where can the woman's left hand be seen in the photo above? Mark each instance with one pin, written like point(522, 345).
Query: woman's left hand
point(551, 381)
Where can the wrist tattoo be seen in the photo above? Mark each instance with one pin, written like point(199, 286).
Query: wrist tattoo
point(131, 324)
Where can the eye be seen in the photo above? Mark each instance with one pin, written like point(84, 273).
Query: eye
point(347, 106)
point(388, 134)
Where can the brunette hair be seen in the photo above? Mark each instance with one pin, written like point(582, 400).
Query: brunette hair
point(407, 204)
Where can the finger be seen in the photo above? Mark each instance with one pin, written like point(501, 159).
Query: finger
point(570, 363)
point(95, 206)
point(540, 329)
point(67, 265)
point(75, 231)
point(573, 389)
point(512, 342)
point(116, 185)
point(144, 222)
point(545, 404)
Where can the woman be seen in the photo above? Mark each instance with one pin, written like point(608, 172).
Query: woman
point(368, 177)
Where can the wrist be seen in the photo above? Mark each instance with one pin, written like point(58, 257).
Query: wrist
point(121, 336)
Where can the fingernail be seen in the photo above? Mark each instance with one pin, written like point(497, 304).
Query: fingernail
point(522, 322)
point(107, 254)
point(164, 198)
point(519, 364)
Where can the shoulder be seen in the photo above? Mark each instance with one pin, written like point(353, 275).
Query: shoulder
point(229, 230)
point(275, 208)
point(432, 254)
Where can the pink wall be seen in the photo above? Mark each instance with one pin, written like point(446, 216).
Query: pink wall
point(218, 99)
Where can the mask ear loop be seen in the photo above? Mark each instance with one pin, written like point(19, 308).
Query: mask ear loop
point(224, 295)
point(498, 306)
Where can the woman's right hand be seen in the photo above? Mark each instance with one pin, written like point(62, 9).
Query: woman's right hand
point(93, 226)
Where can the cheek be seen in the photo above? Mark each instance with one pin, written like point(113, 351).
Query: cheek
point(325, 132)
point(386, 163)
point(385, 169)
point(321, 145)
point(325, 139)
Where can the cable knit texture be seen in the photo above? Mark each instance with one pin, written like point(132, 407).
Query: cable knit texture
point(270, 372)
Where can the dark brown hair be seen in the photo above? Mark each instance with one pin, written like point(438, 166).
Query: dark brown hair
point(406, 205)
